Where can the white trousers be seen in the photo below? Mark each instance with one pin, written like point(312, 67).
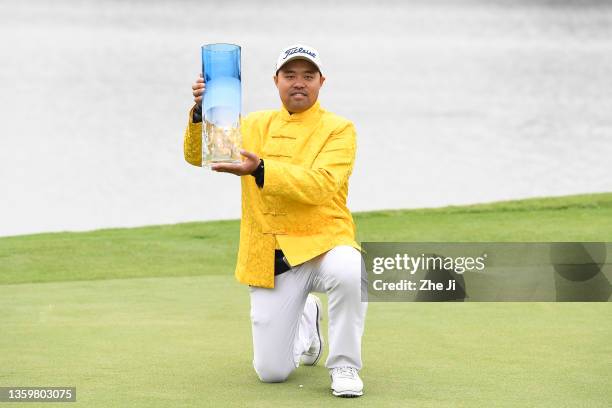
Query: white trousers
point(284, 323)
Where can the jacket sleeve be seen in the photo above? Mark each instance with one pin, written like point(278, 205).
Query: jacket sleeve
point(317, 185)
point(192, 141)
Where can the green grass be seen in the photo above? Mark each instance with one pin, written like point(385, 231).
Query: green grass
point(152, 317)
point(209, 248)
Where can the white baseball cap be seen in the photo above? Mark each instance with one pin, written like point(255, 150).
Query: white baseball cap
point(298, 51)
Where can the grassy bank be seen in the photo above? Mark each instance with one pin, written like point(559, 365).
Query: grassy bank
point(209, 248)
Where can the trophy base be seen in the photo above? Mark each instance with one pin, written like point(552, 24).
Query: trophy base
point(208, 163)
point(221, 144)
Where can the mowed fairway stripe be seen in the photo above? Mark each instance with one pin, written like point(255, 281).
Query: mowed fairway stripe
point(186, 341)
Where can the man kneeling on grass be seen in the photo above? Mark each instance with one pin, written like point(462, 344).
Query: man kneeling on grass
point(296, 233)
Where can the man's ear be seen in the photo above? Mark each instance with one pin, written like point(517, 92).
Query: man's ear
point(275, 80)
point(322, 80)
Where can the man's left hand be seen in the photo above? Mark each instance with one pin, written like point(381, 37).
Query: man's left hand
point(242, 169)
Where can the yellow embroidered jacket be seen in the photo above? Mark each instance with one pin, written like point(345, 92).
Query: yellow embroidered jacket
point(301, 209)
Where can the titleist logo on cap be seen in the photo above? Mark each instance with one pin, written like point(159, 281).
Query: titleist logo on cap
point(296, 50)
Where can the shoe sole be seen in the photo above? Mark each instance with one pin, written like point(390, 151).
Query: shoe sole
point(348, 394)
point(319, 319)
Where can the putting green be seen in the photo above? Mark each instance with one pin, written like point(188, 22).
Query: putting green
point(186, 341)
point(151, 317)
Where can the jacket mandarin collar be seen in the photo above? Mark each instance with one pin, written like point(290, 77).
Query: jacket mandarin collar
point(308, 114)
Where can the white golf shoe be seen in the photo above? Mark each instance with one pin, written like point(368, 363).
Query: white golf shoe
point(346, 382)
point(314, 353)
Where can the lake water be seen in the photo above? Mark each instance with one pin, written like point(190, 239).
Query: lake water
point(454, 102)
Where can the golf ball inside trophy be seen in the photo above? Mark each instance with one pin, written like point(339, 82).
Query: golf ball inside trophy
point(221, 105)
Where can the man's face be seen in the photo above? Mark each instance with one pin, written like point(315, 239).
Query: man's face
point(298, 84)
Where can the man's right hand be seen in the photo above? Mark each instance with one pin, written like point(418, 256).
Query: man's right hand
point(198, 89)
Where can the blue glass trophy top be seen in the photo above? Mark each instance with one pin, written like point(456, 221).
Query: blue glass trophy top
point(220, 60)
point(221, 72)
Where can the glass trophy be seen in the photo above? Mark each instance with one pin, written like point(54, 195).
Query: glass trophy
point(221, 106)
